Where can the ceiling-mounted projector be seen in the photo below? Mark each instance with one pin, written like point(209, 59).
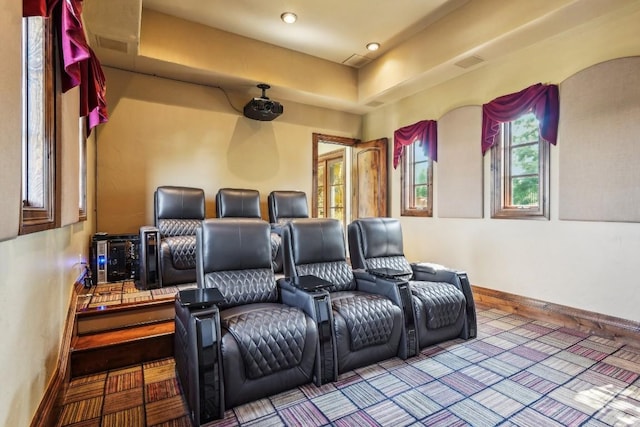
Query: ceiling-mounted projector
point(263, 108)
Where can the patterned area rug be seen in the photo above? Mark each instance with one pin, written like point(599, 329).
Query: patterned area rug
point(518, 372)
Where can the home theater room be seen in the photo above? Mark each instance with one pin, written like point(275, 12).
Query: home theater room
point(285, 213)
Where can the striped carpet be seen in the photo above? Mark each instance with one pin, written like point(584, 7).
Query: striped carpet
point(518, 372)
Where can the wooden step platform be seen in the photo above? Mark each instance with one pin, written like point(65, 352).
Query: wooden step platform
point(114, 349)
point(100, 319)
point(118, 324)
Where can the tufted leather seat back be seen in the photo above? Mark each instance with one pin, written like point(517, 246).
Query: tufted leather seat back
point(234, 255)
point(374, 238)
point(237, 203)
point(316, 246)
point(178, 210)
point(287, 205)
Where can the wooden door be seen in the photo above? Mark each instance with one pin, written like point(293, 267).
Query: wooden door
point(369, 175)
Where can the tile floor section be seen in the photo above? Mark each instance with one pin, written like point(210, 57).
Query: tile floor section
point(518, 372)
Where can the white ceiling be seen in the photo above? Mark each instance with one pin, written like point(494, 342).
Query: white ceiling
point(329, 29)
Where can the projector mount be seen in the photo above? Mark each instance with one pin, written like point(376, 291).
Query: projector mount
point(264, 88)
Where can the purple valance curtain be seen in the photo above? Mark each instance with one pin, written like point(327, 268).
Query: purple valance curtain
point(425, 131)
point(541, 99)
point(80, 64)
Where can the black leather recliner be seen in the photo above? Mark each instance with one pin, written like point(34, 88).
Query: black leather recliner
point(266, 347)
point(237, 203)
point(287, 205)
point(366, 319)
point(443, 301)
point(177, 213)
point(284, 206)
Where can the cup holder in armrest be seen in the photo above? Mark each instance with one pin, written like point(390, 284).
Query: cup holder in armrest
point(200, 297)
point(387, 273)
point(309, 283)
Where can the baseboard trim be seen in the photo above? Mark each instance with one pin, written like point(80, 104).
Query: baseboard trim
point(48, 411)
point(610, 327)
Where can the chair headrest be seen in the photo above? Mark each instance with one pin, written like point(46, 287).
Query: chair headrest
point(316, 240)
point(234, 244)
point(287, 205)
point(179, 202)
point(380, 237)
point(237, 203)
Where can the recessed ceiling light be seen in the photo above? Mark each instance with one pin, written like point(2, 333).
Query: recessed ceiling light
point(289, 17)
point(373, 46)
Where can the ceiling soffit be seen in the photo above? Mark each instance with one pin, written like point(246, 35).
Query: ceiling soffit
point(164, 45)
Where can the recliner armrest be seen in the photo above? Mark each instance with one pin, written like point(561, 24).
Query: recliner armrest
point(317, 305)
point(399, 292)
point(296, 297)
point(430, 272)
point(149, 264)
point(198, 360)
point(367, 282)
point(438, 273)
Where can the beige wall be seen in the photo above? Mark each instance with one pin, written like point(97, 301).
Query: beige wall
point(164, 132)
point(588, 265)
point(36, 271)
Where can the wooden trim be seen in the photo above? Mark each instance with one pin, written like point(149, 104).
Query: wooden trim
point(48, 411)
point(316, 138)
point(602, 325)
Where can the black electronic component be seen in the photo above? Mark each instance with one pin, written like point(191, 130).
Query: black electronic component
point(263, 108)
point(114, 257)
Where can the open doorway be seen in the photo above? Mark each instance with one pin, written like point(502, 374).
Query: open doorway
point(349, 178)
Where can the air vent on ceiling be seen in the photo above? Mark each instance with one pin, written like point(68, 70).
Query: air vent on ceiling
point(356, 61)
point(107, 43)
point(469, 62)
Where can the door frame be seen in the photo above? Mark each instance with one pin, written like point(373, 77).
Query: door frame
point(316, 139)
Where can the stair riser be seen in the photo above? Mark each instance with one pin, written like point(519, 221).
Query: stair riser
point(119, 355)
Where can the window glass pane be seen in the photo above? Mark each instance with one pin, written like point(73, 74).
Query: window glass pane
point(82, 167)
point(418, 152)
point(525, 129)
point(336, 196)
point(335, 173)
point(420, 173)
point(336, 213)
point(421, 196)
point(416, 181)
point(524, 191)
point(35, 155)
point(524, 160)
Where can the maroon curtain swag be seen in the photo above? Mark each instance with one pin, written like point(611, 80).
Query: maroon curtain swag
point(80, 64)
point(425, 131)
point(38, 7)
point(541, 99)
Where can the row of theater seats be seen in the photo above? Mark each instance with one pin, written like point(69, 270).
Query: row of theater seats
point(324, 318)
point(179, 210)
